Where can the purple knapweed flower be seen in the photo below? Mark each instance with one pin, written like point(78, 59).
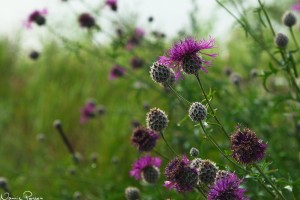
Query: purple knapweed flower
point(87, 112)
point(112, 4)
point(227, 188)
point(116, 72)
point(86, 20)
point(137, 62)
point(135, 39)
point(144, 139)
point(246, 148)
point(296, 6)
point(180, 175)
point(142, 163)
point(37, 16)
point(187, 55)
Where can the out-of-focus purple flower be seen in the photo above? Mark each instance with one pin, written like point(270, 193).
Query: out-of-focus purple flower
point(137, 62)
point(139, 33)
point(180, 175)
point(144, 139)
point(116, 72)
point(187, 54)
point(37, 16)
point(140, 164)
point(87, 112)
point(86, 20)
point(246, 147)
point(296, 6)
point(112, 4)
point(135, 39)
point(227, 188)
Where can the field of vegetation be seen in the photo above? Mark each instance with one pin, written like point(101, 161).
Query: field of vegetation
point(70, 114)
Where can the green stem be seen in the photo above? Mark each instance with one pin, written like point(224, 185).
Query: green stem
point(218, 147)
point(269, 181)
point(163, 137)
point(201, 191)
point(212, 110)
point(160, 154)
point(294, 38)
point(181, 98)
point(267, 17)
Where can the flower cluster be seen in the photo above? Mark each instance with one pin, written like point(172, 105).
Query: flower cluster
point(187, 55)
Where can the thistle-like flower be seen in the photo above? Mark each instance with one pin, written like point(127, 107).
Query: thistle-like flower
point(87, 112)
point(281, 40)
point(137, 62)
point(197, 112)
point(159, 73)
point(86, 20)
point(38, 17)
point(194, 152)
point(132, 193)
point(146, 168)
point(187, 55)
point(112, 4)
point(180, 175)
point(207, 172)
point(157, 119)
point(116, 72)
point(227, 188)
point(289, 19)
point(144, 139)
point(246, 147)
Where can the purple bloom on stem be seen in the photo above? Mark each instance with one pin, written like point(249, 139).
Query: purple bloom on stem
point(37, 17)
point(137, 62)
point(135, 39)
point(144, 139)
point(180, 175)
point(187, 55)
point(246, 147)
point(112, 4)
point(142, 163)
point(116, 72)
point(227, 188)
point(87, 112)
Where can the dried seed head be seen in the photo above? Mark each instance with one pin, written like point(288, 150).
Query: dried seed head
point(281, 40)
point(222, 174)
point(191, 65)
point(3, 182)
point(194, 152)
point(57, 124)
point(197, 112)
point(196, 162)
point(34, 55)
point(77, 195)
point(132, 193)
point(289, 19)
point(156, 119)
point(207, 172)
point(235, 79)
point(159, 73)
point(150, 174)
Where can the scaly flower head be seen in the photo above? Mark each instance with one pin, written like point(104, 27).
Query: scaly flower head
point(143, 163)
point(187, 55)
point(227, 188)
point(37, 16)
